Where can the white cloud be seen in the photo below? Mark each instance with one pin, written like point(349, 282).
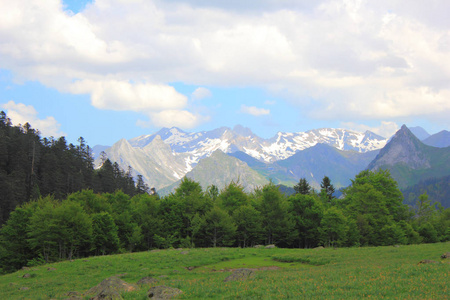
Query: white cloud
point(123, 95)
point(386, 129)
point(254, 111)
point(177, 118)
point(201, 93)
point(379, 60)
point(20, 113)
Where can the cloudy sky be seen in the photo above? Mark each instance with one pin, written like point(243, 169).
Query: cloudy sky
point(111, 69)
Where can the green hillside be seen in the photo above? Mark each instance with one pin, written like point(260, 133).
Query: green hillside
point(344, 273)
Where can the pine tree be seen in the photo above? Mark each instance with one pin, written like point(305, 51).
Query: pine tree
point(302, 187)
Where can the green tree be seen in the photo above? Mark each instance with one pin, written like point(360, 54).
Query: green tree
point(393, 234)
point(190, 195)
point(219, 227)
point(333, 227)
point(428, 233)
point(105, 237)
point(276, 220)
point(13, 239)
point(232, 197)
point(141, 186)
point(249, 227)
point(145, 209)
point(307, 211)
point(302, 187)
point(74, 227)
point(43, 231)
point(425, 212)
point(327, 189)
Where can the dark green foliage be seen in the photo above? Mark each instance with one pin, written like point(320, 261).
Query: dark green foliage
point(276, 221)
point(438, 190)
point(307, 211)
point(327, 189)
point(218, 228)
point(31, 167)
point(105, 239)
point(333, 227)
point(249, 226)
point(302, 187)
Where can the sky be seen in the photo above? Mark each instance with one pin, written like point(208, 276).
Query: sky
point(111, 69)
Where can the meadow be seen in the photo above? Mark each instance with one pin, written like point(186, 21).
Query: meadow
point(391, 272)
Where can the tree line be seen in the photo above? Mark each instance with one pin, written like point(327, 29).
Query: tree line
point(54, 205)
point(31, 167)
point(86, 223)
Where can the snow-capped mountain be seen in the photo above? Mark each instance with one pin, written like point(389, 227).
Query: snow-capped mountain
point(283, 145)
point(167, 155)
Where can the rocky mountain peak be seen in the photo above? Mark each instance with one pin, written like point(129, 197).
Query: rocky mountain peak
point(405, 148)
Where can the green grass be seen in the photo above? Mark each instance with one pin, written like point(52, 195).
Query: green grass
point(347, 273)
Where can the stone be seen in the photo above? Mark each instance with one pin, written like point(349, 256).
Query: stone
point(427, 261)
point(147, 280)
point(270, 247)
point(26, 275)
point(163, 292)
point(51, 269)
point(239, 274)
point(111, 288)
point(445, 255)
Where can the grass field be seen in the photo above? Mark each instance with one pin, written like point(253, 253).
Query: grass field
point(345, 273)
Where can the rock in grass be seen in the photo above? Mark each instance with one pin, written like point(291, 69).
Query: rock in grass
point(110, 288)
point(427, 261)
point(73, 295)
point(270, 247)
point(163, 292)
point(28, 275)
point(51, 269)
point(147, 280)
point(239, 274)
point(445, 255)
point(24, 288)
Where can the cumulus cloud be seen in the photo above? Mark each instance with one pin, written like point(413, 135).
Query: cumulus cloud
point(20, 113)
point(177, 118)
point(386, 129)
point(254, 111)
point(378, 60)
point(123, 95)
point(201, 93)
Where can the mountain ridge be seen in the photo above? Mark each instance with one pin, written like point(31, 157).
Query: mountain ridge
point(410, 161)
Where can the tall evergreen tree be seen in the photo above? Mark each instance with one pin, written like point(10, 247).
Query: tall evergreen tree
point(302, 187)
point(327, 189)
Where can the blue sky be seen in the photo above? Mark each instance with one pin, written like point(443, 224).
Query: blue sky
point(112, 69)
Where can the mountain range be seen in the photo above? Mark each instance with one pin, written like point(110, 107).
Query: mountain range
point(166, 156)
point(224, 154)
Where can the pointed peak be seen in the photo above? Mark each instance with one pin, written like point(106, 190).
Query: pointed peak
point(241, 130)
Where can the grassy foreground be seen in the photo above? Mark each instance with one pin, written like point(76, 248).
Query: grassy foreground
point(347, 273)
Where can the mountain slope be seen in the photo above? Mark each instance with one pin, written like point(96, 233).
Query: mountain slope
point(155, 162)
point(419, 132)
point(437, 189)
point(323, 160)
point(220, 169)
point(440, 139)
point(411, 161)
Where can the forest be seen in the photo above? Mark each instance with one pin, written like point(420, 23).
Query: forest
point(56, 206)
